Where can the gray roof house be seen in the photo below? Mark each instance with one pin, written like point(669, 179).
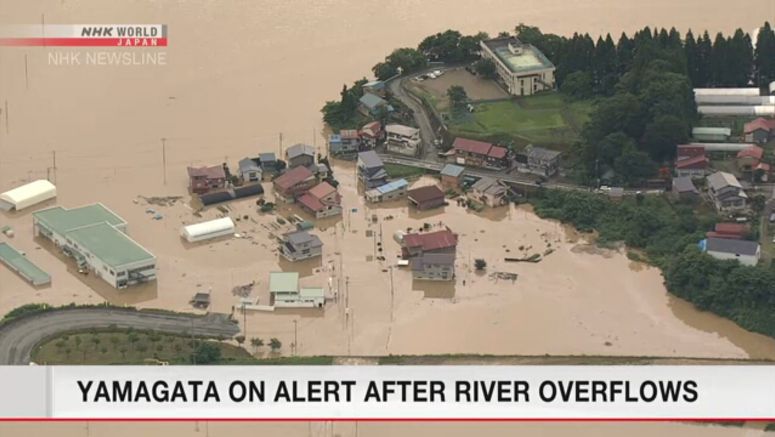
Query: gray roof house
point(249, 170)
point(300, 154)
point(541, 160)
point(371, 170)
point(269, 164)
point(744, 251)
point(684, 187)
point(370, 104)
point(488, 191)
point(726, 192)
point(300, 245)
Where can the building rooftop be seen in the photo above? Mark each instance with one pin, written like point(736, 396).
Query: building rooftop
point(371, 129)
point(248, 164)
point(24, 267)
point(62, 220)
point(293, 177)
point(267, 157)
point(431, 240)
point(702, 130)
point(722, 179)
point(299, 150)
point(452, 170)
point(489, 185)
point(760, 123)
point(372, 101)
point(312, 292)
point(755, 152)
point(471, 146)
point(212, 172)
point(400, 129)
point(297, 238)
point(283, 282)
point(392, 186)
point(322, 190)
point(542, 153)
point(426, 193)
point(684, 185)
point(727, 245)
point(110, 245)
point(518, 57)
point(311, 202)
point(697, 161)
point(370, 159)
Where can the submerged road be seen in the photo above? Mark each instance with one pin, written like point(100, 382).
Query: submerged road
point(20, 337)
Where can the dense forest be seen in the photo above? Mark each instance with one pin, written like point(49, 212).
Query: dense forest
point(667, 235)
point(644, 87)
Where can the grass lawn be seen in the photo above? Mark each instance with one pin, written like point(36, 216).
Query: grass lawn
point(128, 347)
point(403, 171)
point(545, 119)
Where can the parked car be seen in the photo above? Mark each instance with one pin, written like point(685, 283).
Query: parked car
point(772, 217)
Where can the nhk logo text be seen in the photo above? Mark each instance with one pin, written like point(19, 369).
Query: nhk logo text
point(85, 35)
point(106, 58)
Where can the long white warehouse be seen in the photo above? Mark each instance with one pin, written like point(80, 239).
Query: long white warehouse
point(27, 195)
point(208, 230)
point(734, 100)
point(720, 111)
point(722, 147)
point(727, 92)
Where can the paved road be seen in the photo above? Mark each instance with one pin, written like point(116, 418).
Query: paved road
point(421, 117)
point(19, 338)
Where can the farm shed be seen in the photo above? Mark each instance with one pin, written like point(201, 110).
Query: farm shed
point(27, 195)
point(208, 230)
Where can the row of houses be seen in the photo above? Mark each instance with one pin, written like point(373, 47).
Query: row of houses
point(398, 138)
point(532, 159)
point(692, 161)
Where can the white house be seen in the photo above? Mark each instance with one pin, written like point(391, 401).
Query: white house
point(404, 140)
point(285, 292)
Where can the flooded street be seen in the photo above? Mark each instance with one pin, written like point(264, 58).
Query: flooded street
point(241, 75)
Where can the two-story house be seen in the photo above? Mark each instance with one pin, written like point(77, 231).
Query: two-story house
point(726, 192)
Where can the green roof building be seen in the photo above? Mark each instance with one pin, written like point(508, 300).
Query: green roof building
point(96, 238)
point(285, 292)
point(17, 262)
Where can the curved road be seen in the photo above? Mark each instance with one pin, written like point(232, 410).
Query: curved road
point(19, 337)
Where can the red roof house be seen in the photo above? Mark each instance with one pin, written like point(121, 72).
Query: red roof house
point(322, 200)
point(734, 231)
point(427, 197)
point(760, 130)
point(478, 153)
point(203, 179)
point(444, 241)
point(688, 151)
point(294, 182)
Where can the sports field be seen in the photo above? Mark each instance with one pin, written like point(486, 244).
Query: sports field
point(545, 119)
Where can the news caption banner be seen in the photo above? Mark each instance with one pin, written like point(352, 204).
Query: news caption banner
point(388, 392)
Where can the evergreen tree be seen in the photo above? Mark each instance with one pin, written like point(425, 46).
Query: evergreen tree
point(704, 57)
point(693, 61)
point(604, 66)
point(625, 52)
point(765, 55)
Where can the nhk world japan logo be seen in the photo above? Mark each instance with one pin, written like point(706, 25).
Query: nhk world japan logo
point(84, 35)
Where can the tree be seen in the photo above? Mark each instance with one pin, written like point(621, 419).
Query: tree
point(275, 344)
point(578, 85)
point(256, 343)
point(384, 70)
point(457, 96)
point(662, 135)
point(480, 264)
point(206, 353)
point(486, 68)
point(765, 55)
point(240, 339)
point(634, 166)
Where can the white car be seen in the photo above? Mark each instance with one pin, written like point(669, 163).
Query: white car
point(438, 73)
point(431, 76)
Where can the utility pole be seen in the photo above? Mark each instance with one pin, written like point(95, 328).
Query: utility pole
point(7, 126)
point(280, 147)
point(295, 337)
point(54, 164)
point(164, 158)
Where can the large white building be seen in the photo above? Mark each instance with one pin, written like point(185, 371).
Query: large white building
point(27, 195)
point(95, 237)
point(522, 68)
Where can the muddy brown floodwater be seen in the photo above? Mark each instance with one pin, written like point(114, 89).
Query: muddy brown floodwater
point(239, 74)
